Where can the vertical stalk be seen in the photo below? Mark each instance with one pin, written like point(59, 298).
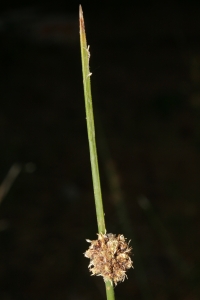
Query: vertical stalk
point(109, 291)
point(85, 57)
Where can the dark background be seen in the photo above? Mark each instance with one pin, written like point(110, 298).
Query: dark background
point(145, 60)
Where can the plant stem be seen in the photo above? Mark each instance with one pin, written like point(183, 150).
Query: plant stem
point(85, 56)
point(109, 291)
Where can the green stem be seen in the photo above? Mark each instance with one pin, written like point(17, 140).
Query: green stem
point(109, 291)
point(85, 55)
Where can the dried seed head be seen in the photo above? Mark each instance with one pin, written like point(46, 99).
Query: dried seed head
point(109, 257)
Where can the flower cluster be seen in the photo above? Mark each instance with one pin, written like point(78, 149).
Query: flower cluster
point(109, 257)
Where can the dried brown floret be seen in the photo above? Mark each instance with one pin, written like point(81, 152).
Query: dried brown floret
point(109, 257)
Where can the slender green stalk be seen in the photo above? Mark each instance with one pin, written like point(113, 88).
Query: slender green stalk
point(85, 57)
point(109, 291)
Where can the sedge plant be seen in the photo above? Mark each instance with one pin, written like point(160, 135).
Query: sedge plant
point(110, 254)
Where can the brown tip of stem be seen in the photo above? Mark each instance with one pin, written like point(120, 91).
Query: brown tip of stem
point(81, 20)
point(80, 11)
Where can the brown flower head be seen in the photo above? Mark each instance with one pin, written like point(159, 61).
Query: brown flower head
point(109, 257)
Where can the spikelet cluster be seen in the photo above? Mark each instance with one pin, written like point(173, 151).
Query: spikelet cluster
point(109, 257)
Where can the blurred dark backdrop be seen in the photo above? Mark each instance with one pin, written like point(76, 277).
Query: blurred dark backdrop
point(145, 60)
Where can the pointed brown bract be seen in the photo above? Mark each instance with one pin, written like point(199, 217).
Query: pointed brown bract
point(109, 257)
point(81, 21)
